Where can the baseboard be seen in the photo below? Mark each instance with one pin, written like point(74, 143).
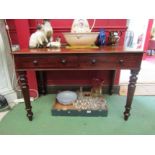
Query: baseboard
point(56, 89)
point(141, 89)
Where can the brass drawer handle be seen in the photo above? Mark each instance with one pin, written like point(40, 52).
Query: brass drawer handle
point(35, 62)
point(63, 61)
point(93, 61)
point(121, 61)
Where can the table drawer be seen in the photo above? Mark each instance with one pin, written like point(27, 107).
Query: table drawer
point(45, 62)
point(110, 61)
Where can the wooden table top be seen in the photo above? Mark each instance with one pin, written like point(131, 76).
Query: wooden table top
point(63, 50)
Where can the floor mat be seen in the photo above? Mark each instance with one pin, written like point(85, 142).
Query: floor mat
point(140, 122)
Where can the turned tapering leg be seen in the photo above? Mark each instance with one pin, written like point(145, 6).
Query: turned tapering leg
point(130, 94)
point(111, 87)
point(41, 80)
point(25, 91)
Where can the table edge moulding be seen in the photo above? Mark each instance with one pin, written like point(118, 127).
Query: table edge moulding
point(110, 58)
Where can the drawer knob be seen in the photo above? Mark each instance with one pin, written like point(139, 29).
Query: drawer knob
point(35, 62)
point(93, 61)
point(63, 61)
point(121, 61)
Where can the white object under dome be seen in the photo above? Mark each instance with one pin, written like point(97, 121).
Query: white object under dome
point(80, 26)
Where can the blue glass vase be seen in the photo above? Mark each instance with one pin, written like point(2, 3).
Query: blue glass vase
point(101, 38)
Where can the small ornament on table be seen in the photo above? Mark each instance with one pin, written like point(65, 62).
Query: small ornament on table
point(114, 37)
point(55, 44)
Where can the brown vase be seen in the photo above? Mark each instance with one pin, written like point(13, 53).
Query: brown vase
point(114, 37)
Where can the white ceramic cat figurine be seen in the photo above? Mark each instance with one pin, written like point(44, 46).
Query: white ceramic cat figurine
point(48, 30)
point(38, 38)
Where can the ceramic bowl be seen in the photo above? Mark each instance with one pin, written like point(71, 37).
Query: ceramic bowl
point(66, 97)
point(81, 39)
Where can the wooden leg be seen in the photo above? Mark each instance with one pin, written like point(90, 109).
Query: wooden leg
point(41, 79)
point(130, 94)
point(111, 87)
point(25, 91)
